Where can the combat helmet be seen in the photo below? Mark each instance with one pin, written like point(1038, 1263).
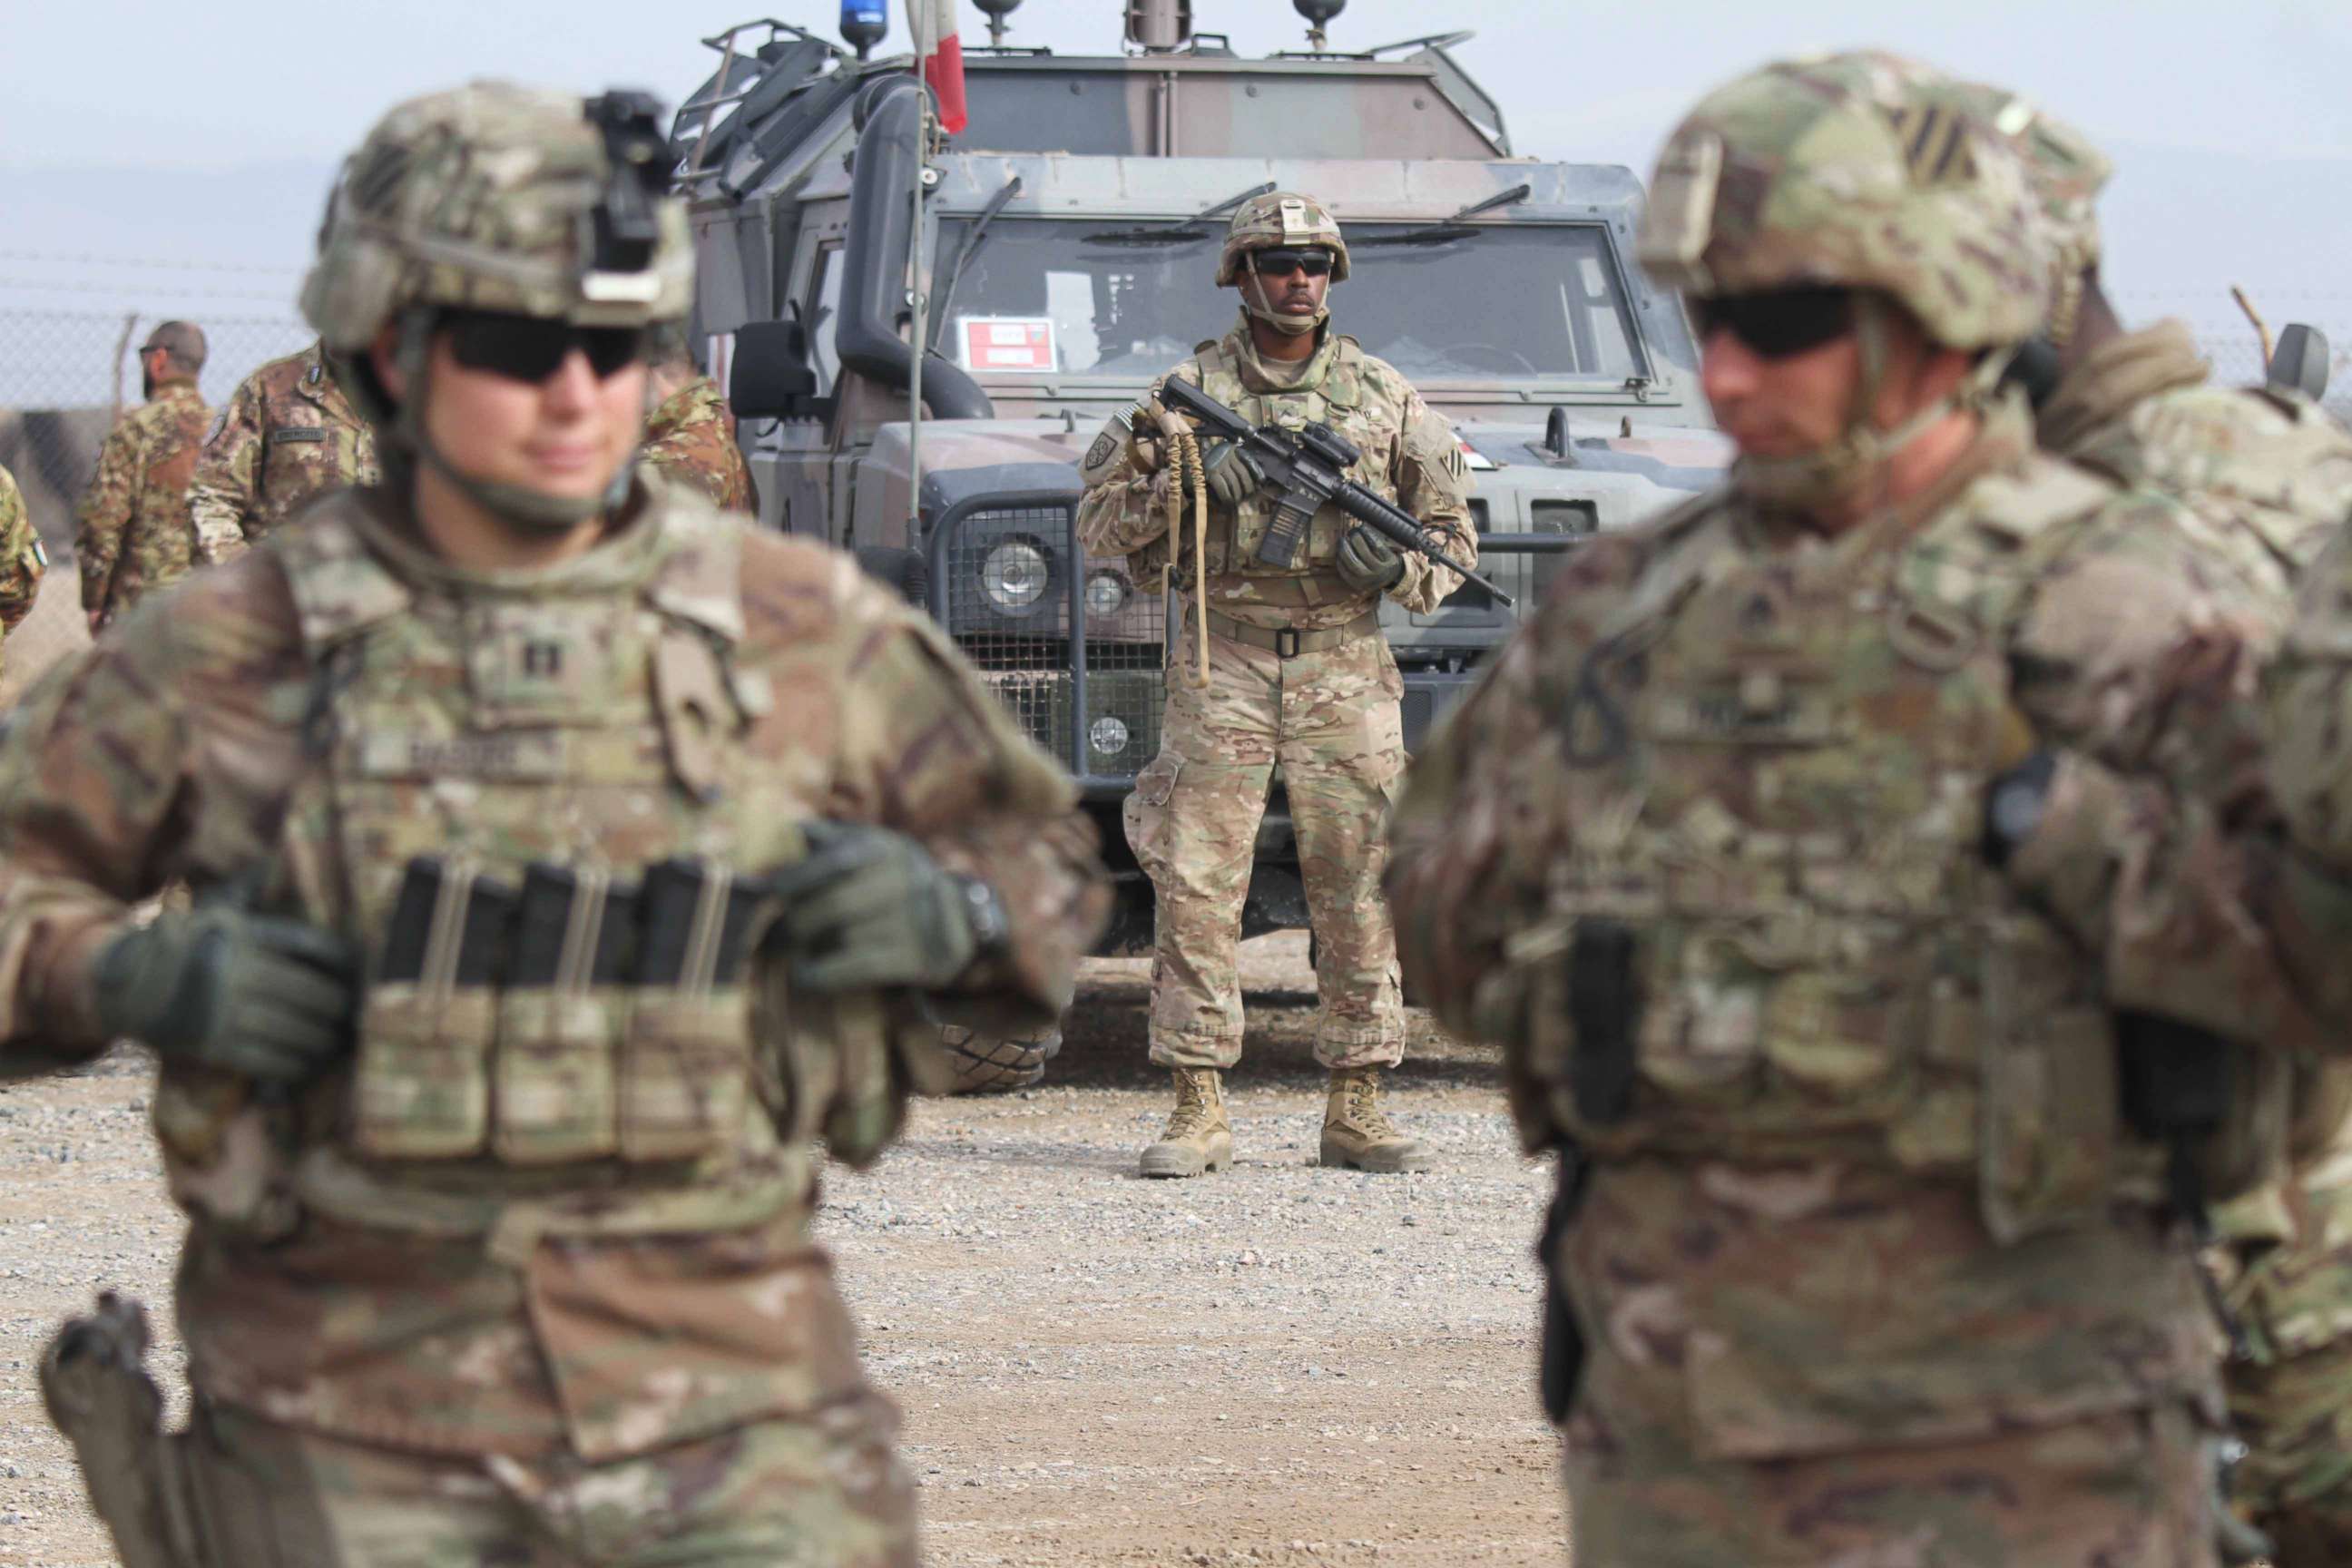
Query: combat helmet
point(494, 196)
point(1280, 218)
point(1860, 171)
point(2066, 174)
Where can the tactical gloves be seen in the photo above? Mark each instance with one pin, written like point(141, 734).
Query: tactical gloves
point(257, 995)
point(869, 908)
point(1368, 563)
point(1233, 474)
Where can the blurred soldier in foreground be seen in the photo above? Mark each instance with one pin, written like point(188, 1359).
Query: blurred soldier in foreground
point(2267, 476)
point(23, 562)
point(289, 433)
point(1794, 851)
point(133, 534)
point(568, 860)
point(1298, 675)
point(690, 434)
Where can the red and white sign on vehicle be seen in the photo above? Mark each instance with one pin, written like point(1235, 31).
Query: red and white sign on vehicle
point(1008, 343)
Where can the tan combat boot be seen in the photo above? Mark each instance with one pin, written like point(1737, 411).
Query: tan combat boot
point(1200, 1136)
point(1357, 1132)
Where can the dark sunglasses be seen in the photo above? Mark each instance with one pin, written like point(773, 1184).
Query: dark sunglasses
point(532, 348)
point(1283, 263)
point(1782, 322)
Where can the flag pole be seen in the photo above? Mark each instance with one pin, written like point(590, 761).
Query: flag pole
point(922, 11)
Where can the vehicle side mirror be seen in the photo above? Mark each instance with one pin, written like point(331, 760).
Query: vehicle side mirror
point(2299, 365)
point(771, 377)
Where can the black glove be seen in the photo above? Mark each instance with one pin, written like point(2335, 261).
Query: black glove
point(258, 995)
point(870, 908)
point(1233, 474)
point(1368, 563)
point(1560, 1372)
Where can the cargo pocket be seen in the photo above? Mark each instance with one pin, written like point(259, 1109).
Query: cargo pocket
point(2051, 1129)
point(1145, 814)
point(422, 1089)
point(554, 1075)
point(686, 1066)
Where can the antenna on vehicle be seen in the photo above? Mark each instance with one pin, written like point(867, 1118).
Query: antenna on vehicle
point(864, 23)
point(1316, 13)
point(997, 11)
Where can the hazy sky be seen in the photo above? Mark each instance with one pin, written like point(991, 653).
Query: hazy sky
point(2231, 124)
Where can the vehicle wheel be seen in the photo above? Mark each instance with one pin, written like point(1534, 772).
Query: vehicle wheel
point(903, 571)
point(985, 1064)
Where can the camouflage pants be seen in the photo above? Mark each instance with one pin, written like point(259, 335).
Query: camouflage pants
point(1332, 720)
point(822, 1491)
point(1778, 1375)
point(2131, 1490)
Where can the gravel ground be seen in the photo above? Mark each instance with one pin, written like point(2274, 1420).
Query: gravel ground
point(1277, 1364)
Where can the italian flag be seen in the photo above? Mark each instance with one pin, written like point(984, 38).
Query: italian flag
point(941, 55)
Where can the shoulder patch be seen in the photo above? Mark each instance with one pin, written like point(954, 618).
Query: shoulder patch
point(1101, 452)
point(2016, 506)
point(220, 423)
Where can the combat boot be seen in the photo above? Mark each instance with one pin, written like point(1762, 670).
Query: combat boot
point(1200, 1136)
point(1356, 1131)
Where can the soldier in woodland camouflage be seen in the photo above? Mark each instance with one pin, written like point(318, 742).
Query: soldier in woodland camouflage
point(22, 561)
point(1822, 853)
point(2267, 477)
point(288, 433)
point(690, 437)
point(568, 860)
point(1298, 678)
point(134, 535)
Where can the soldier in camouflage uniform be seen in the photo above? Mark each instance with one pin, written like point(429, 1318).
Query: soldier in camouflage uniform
point(133, 534)
point(22, 563)
point(289, 433)
point(1299, 677)
point(2267, 477)
point(568, 860)
point(1802, 852)
point(690, 435)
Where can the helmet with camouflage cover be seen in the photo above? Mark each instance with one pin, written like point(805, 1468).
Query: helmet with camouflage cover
point(501, 198)
point(1861, 172)
point(498, 198)
point(2066, 174)
point(1279, 218)
point(1852, 171)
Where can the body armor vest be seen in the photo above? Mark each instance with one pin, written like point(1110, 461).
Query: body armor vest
point(1331, 391)
point(479, 742)
point(1776, 768)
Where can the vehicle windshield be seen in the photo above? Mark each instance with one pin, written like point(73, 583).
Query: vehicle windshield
point(1109, 297)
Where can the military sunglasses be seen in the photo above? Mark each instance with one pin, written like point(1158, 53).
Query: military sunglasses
point(1779, 323)
point(532, 348)
point(1283, 262)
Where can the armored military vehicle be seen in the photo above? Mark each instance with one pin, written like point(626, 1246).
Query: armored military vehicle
point(1068, 243)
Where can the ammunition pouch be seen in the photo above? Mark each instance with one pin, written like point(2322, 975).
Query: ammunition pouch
point(1560, 1368)
point(94, 1381)
point(575, 1018)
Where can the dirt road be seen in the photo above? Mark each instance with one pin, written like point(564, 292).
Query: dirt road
point(1278, 1364)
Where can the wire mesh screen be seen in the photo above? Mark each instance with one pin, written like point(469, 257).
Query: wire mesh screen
point(1010, 584)
point(1008, 605)
point(1127, 631)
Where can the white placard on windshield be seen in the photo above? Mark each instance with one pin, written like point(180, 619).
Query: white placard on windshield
point(1007, 342)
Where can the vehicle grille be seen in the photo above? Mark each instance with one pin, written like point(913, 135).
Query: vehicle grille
point(1006, 591)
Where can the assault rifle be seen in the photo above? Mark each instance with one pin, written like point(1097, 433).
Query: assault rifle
point(1308, 469)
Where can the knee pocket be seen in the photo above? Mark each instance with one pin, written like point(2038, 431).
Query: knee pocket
point(1146, 813)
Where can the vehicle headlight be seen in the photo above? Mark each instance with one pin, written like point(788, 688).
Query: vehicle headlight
point(1106, 593)
point(1108, 737)
point(1015, 576)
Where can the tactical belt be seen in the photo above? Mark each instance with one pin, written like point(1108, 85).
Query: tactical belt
point(1290, 642)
